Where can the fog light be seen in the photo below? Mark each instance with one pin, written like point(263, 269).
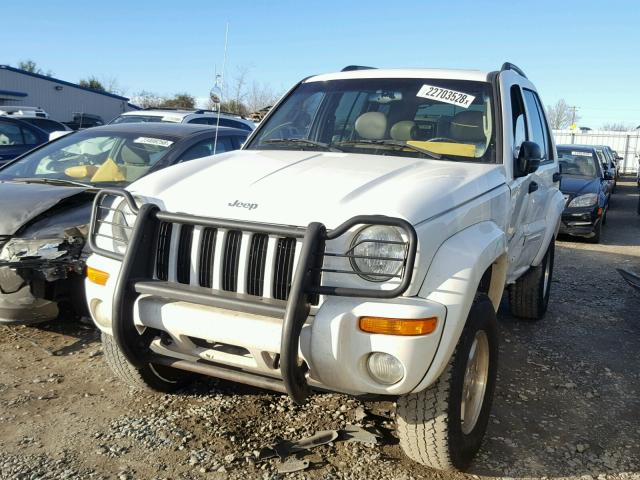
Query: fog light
point(99, 313)
point(385, 368)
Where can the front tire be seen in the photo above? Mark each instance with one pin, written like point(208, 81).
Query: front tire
point(442, 426)
point(529, 296)
point(157, 378)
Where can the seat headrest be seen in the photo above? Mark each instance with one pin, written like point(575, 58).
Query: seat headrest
point(467, 127)
point(403, 131)
point(134, 156)
point(371, 125)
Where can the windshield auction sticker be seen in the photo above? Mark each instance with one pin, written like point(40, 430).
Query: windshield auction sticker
point(446, 95)
point(581, 154)
point(161, 142)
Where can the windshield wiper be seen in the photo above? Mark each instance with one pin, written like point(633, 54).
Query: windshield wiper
point(394, 143)
point(53, 181)
point(304, 141)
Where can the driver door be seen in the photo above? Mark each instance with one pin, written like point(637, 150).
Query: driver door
point(529, 193)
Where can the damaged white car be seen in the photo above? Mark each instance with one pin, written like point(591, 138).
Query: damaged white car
point(359, 242)
point(46, 197)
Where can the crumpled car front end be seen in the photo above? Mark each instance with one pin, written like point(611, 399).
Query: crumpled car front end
point(41, 267)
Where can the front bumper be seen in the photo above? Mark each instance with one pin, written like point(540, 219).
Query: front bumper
point(580, 221)
point(18, 304)
point(206, 329)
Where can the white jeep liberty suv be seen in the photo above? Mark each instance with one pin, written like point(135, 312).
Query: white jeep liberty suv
point(359, 242)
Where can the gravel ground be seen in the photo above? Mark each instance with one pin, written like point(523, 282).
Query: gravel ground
point(567, 402)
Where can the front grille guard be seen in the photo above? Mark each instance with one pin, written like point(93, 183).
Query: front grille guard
point(136, 276)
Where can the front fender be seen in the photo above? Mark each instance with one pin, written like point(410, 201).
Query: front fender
point(452, 280)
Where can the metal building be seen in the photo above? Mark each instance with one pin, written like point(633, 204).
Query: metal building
point(61, 100)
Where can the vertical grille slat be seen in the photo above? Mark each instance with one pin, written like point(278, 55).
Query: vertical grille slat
point(256, 264)
point(207, 250)
point(231, 256)
point(285, 252)
point(257, 257)
point(183, 267)
point(162, 250)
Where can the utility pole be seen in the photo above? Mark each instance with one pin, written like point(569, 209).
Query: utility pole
point(573, 114)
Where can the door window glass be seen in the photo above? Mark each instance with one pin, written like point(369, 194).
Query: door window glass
point(536, 121)
point(10, 135)
point(205, 148)
point(518, 118)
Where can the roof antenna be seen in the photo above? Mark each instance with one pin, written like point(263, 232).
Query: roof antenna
point(216, 91)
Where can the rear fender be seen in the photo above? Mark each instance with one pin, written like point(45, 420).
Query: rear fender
point(453, 279)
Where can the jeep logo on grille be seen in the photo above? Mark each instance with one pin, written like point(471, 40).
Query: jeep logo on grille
point(239, 204)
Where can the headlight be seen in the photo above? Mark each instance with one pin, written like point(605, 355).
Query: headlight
point(586, 200)
point(123, 220)
point(18, 249)
point(377, 253)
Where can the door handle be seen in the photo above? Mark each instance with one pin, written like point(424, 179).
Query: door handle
point(556, 177)
point(533, 186)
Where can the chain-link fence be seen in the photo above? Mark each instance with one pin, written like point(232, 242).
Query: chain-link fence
point(627, 144)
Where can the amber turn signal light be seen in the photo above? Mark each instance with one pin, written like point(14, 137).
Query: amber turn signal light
point(398, 326)
point(97, 276)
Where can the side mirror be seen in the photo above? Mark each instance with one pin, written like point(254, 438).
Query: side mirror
point(608, 176)
point(529, 158)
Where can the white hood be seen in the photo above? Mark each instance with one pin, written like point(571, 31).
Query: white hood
point(298, 187)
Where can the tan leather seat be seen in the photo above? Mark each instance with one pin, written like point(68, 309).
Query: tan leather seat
point(371, 125)
point(136, 162)
point(404, 131)
point(467, 127)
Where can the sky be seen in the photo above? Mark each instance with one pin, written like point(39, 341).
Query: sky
point(584, 52)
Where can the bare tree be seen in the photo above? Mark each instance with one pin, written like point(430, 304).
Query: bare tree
point(112, 85)
point(32, 67)
point(259, 96)
point(243, 98)
point(617, 127)
point(561, 115)
point(145, 99)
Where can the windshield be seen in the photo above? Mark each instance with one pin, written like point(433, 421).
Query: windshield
point(101, 160)
point(577, 162)
point(449, 119)
point(145, 119)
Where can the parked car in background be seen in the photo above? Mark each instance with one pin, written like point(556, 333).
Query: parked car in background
point(172, 115)
point(613, 157)
point(85, 120)
point(606, 160)
point(23, 111)
point(46, 200)
point(584, 185)
point(47, 124)
point(18, 137)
